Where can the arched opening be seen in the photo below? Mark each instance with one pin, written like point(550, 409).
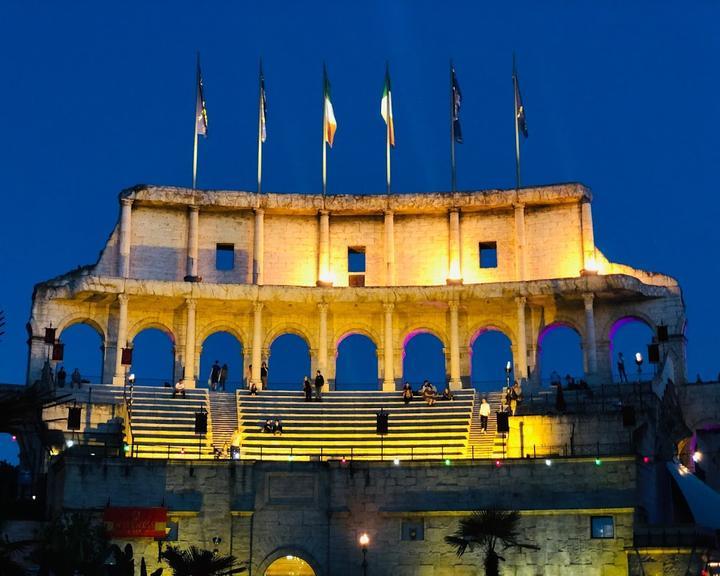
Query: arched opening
point(560, 354)
point(424, 359)
point(356, 366)
point(83, 350)
point(289, 363)
point(153, 360)
point(226, 350)
point(290, 566)
point(490, 351)
point(628, 336)
point(9, 449)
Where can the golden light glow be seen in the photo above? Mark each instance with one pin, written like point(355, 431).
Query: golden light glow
point(327, 277)
point(455, 271)
point(364, 539)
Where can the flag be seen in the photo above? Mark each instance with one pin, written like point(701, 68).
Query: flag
point(386, 107)
point(456, 102)
point(263, 107)
point(329, 122)
point(201, 119)
point(519, 108)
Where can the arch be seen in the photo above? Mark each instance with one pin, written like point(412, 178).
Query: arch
point(430, 362)
point(227, 349)
point(361, 330)
point(287, 328)
point(616, 322)
point(288, 362)
point(205, 331)
point(436, 331)
point(284, 552)
point(73, 319)
point(557, 354)
point(487, 362)
point(84, 350)
point(356, 365)
point(147, 324)
point(630, 334)
point(495, 325)
point(148, 367)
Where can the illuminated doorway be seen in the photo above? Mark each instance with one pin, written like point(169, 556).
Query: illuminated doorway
point(290, 566)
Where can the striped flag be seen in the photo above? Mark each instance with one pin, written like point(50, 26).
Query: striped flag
point(201, 119)
point(386, 107)
point(263, 107)
point(329, 122)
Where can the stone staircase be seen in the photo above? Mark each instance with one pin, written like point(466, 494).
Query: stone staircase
point(223, 407)
point(343, 425)
point(489, 445)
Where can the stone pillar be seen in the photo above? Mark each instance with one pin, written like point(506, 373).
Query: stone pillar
point(388, 365)
point(37, 356)
point(259, 249)
point(323, 342)
point(257, 344)
point(389, 248)
point(189, 378)
point(520, 242)
point(521, 362)
point(590, 344)
point(454, 266)
point(124, 242)
point(121, 339)
point(588, 237)
point(324, 278)
point(455, 380)
point(604, 362)
point(193, 233)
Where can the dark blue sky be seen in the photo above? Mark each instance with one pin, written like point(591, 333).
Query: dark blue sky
point(621, 98)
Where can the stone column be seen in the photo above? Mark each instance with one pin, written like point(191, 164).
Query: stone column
point(259, 249)
point(455, 380)
point(388, 376)
point(189, 378)
point(193, 233)
point(121, 339)
point(124, 243)
point(257, 344)
point(323, 341)
point(324, 278)
point(588, 237)
point(521, 361)
point(454, 266)
point(590, 343)
point(520, 242)
point(389, 248)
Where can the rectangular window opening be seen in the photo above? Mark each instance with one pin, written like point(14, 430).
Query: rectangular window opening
point(602, 527)
point(356, 259)
point(225, 256)
point(413, 530)
point(488, 254)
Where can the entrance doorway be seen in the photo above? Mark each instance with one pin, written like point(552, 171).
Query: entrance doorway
point(289, 566)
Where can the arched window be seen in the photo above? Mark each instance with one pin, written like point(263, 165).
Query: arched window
point(490, 351)
point(628, 336)
point(153, 361)
point(424, 359)
point(356, 366)
point(560, 354)
point(289, 565)
point(289, 363)
point(84, 350)
point(226, 350)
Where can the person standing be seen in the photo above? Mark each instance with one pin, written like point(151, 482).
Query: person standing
point(484, 414)
point(407, 393)
point(319, 383)
point(214, 375)
point(75, 378)
point(621, 368)
point(264, 374)
point(223, 377)
point(307, 388)
point(61, 377)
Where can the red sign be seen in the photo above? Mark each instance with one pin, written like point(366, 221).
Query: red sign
point(135, 522)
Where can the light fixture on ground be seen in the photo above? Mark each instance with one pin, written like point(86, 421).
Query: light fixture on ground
point(364, 541)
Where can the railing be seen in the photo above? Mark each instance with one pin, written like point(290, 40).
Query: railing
point(606, 398)
point(674, 536)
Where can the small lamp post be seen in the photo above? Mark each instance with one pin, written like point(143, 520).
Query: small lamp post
point(639, 362)
point(508, 369)
point(364, 541)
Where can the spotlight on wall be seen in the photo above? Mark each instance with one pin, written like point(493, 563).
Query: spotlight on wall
point(396, 461)
point(548, 462)
point(697, 456)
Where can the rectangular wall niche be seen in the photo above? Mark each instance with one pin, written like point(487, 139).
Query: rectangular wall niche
point(224, 256)
point(356, 265)
point(488, 254)
point(602, 527)
point(413, 529)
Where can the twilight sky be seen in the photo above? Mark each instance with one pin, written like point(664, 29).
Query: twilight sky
point(621, 98)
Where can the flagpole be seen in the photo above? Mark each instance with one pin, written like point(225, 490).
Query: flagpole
point(452, 130)
point(195, 137)
point(387, 131)
point(260, 121)
point(517, 135)
point(324, 133)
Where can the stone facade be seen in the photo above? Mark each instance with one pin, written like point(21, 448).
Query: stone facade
point(422, 274)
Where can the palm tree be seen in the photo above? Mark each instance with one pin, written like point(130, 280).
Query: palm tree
point(487, 529)
point(197, 562)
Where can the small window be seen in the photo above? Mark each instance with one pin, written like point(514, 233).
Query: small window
point(602, 527)
point(356, 259)
point(413, 530)
point(488, 254)
point(225, 257)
